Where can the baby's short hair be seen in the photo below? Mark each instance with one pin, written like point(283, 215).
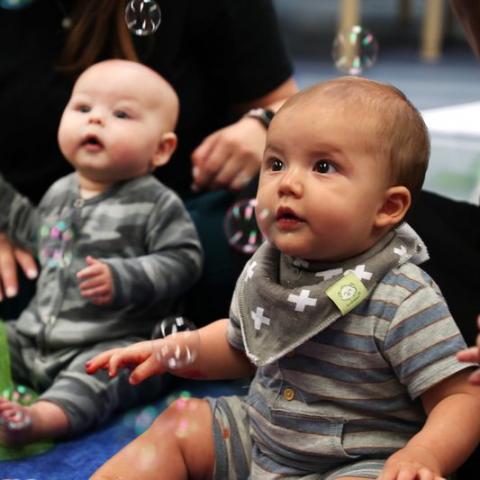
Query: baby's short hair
point(401, 134)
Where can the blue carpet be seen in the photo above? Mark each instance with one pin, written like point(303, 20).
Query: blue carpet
point(77, 459)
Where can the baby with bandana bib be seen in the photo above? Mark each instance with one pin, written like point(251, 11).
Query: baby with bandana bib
point(351, 343)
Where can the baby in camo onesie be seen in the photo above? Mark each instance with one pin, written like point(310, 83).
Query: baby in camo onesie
point(117, 250)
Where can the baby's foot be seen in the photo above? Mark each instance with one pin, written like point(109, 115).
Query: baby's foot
point(15, 423)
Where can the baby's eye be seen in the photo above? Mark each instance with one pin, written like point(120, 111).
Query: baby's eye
point(324, 166)
point(83, 108)
point(121, 114)
point(276, 165)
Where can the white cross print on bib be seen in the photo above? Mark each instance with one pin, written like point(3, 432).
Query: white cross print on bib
point(303, 300)
point(259, 319)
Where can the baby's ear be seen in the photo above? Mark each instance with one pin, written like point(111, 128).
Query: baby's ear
point(165, 149)
point(396, 203)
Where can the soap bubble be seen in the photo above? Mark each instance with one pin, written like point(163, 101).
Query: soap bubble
point(241, 226)
point(56, 244)
point(15, 4)
point(354, 51)
point(19, 394)
point(180, 344)
point(17, 419)
point(172, 324)
point(178, 400)
point(143, 17)
point(143, 419)
point(186, 423)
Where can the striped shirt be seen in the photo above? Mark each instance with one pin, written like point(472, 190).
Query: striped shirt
point(351, 391)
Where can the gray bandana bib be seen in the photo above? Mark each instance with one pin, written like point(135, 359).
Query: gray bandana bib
point(282, 302)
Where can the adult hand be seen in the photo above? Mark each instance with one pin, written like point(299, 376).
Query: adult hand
point(9, 257)
point(472, 354)
point(96, 282)
point(229, 158)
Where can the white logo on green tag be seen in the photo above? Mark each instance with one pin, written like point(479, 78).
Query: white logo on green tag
point(347, 293)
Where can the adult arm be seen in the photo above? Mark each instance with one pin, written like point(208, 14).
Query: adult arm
point(256, 72)
point(230, 157)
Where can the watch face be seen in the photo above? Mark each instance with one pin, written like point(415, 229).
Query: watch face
point(269, 114)
point(265, 115)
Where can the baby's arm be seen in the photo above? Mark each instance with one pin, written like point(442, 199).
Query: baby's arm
point(215, 358)
point(172, 261)
point(96, 282)
point(450, 434)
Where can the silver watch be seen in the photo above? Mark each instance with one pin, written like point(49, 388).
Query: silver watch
point(263, 115)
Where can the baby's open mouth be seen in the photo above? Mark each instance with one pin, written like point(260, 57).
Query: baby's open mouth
point(287, 215)
point(92, 142)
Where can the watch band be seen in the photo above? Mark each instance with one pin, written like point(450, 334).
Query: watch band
point(263, 115)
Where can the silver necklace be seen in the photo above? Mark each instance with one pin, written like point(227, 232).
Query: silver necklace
point(66, 19)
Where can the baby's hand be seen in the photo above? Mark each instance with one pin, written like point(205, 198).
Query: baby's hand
point(472, 355)
point(411, 463)
point(139, 355)
point(96, 282)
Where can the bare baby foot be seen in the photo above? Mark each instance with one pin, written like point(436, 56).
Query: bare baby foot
point(15, 423)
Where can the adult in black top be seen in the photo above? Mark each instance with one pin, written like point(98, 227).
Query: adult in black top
point(217, 54)
point(223, 57)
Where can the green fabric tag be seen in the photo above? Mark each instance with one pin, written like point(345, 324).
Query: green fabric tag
point(27, 396)
point(347, 293)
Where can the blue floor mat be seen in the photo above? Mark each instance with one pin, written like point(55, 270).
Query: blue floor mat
point(77, 459)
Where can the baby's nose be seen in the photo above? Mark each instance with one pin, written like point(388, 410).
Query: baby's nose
point(95, 119)
point(291, 184)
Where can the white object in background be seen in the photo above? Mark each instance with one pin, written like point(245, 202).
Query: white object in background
point(454, 169)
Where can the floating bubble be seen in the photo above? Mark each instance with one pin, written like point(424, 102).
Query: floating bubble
point(186, 423)
point(178, 399)
point(144, 419)
point(143, 17)
point(180, 344)
point(56, 244)
point(241, 226)
point(19, 394)
point(17, 419)
point(15, 4)
point(172, 324)
point(354, 50)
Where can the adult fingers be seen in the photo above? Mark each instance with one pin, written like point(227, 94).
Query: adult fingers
point(474, 378)
point(205, 172)
point(27, 263)
point(8, 269)
point(469, 354)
